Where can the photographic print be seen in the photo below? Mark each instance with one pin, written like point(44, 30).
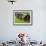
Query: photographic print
point(22, 16)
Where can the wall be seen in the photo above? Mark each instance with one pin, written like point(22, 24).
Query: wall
point(38, 29)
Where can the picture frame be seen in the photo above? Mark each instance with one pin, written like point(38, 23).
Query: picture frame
point(22, 17)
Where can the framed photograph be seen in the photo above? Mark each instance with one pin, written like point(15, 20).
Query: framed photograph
point(22, 17)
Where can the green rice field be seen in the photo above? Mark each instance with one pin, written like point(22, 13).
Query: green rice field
point(17, 20)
